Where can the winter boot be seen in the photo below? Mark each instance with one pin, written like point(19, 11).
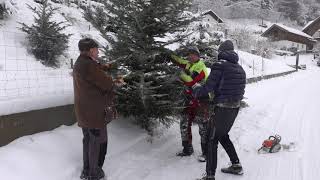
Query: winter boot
point(100, 175)
point(233, 169)
point(84, 174)
point(187, 149)
point(203, 157)
point(207, 177)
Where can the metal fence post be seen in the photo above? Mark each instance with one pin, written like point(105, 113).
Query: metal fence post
point(71, 63)
point(253, 66)
point(262, 68)
point(297, 61)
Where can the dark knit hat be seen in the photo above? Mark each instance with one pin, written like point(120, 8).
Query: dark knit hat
point(86, 44)
point(194, 50)
point(226, 46)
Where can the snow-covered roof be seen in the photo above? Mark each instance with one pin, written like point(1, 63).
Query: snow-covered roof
point(187, 14)
point(312, 26)
point(309, 23)
point(214, 15)
point(290, 30)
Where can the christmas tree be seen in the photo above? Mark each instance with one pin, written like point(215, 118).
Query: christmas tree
point(141, 28)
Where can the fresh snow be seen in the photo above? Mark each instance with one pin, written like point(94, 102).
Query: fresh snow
point(288, 106)
point(257, 66)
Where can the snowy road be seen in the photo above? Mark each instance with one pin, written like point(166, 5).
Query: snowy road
point(288, 106)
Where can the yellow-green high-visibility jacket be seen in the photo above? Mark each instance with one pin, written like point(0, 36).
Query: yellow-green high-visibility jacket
point(194, 72)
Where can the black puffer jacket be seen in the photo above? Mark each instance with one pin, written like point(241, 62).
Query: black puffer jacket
point(227, 79)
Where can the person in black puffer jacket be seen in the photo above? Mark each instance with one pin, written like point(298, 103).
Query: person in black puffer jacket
point(227, 81)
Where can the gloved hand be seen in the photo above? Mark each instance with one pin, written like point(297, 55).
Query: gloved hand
point(107, 66)
point(119, 81)
point(195, 90)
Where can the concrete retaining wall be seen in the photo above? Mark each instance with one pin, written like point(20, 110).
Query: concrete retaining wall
point(16, 125)
point(256, 79)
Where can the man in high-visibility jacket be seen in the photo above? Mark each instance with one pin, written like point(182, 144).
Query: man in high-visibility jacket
point(195, 72)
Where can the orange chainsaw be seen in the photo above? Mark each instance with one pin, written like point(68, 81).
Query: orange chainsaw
point(271, 145)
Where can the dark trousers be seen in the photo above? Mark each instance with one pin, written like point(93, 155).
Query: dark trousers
point(95, 142)
point(191, 115)
point(218, 128)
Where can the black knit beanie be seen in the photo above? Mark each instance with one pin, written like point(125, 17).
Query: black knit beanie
point(226, 46)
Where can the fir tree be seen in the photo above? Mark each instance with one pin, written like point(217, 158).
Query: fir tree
point(88, 14)
point(291, 9)
point(267, 4)
point(313, 12)
point(2, 11)
point(205, 38)
point(97, 17)
point(100, 19)
point(151, 93)
point(45, 36)
point(7, 8)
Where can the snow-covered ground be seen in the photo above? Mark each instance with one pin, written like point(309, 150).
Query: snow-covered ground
point(291, 60)
point(287, 106)
point(257, 66)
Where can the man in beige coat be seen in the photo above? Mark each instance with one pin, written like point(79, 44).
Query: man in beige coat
point(94, 106)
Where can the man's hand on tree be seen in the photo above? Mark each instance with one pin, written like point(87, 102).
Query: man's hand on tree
point(119, 81)
point(107, 66)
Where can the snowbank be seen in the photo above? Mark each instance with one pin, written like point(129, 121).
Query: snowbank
point(257, 66)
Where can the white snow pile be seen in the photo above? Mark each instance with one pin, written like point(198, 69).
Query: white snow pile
point(258, 66)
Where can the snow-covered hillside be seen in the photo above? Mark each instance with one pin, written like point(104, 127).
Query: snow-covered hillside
point(293, 11)
point(22, 78)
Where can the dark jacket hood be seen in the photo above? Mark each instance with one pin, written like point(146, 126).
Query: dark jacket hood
point(230, 56)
